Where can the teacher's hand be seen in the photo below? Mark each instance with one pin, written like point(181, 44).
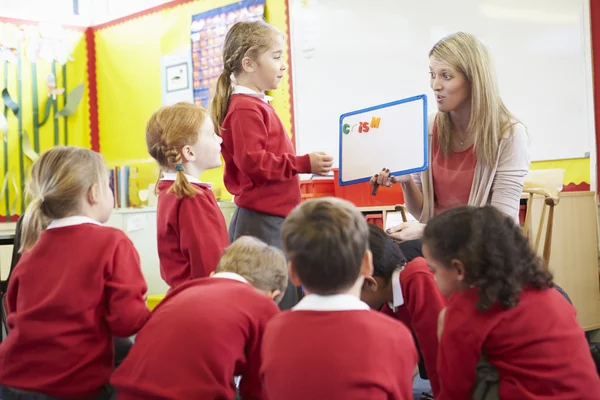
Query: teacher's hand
point(406, 231)
point(385, 179)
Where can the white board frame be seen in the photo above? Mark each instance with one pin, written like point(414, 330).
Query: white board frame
point(398, 143)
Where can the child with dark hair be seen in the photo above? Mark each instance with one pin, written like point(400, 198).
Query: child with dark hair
point(331, 345)
point(503, 308)
point(406, 291)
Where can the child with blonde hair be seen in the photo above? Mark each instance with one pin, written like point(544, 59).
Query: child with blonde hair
point(191, 230)
point(209, 330)
point(261, 165)
point(77, 284)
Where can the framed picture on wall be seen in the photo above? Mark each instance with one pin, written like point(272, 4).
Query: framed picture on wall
point(177, 77)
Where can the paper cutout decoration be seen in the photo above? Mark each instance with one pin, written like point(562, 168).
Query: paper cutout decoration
point(9, 102)
point(52, 89)
point(73, 99)
point(47, 109)
point(3, 124)
point(8, 54)
point(28, 149)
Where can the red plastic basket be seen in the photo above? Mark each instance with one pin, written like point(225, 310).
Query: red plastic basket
point(360, 193)
point(376, 219)
point(310, 189)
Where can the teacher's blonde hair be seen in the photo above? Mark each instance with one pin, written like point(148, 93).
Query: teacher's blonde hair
point(489, 116)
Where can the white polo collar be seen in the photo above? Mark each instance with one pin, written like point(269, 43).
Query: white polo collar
point(70, 221)
point(239, 89)
point(170, 176)
point(336, 302)
point(229, 275)
point(398, 297)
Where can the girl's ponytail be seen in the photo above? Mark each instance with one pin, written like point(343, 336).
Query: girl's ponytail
point(34, 222)
point(220, 101)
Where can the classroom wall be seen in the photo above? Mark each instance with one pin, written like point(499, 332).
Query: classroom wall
point(129, 87)
point(77, 125)
point(129, 84)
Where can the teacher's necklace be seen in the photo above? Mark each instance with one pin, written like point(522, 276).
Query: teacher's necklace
point(461, 142)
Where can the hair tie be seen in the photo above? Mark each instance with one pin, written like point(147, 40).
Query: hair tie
point(179, 167)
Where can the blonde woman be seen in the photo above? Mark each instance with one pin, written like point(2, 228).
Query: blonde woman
point(478, 151)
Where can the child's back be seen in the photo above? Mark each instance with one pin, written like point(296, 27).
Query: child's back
point(205, 332)
point(191, 233)
point(331, 345)
point(346, 352)
point(77, 285)
point(537, 347)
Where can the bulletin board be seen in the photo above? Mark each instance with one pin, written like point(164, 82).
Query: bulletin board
point(208, 35)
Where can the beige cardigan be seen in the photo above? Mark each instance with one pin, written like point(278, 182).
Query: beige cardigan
point(500, 186)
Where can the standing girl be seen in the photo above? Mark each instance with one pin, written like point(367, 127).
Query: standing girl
point(191, 230)
point(261, 167)
point(77, 284)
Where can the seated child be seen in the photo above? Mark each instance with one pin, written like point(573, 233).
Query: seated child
point(407, 292)
point(502, 307)
point(331, 345)
point(208, 330)
point(77, 284)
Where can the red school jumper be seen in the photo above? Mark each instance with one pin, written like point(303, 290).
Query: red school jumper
point(335, 347)
point(261, 165)
point(420, 309)
point(538, 348)
point(191, 233)
point(198, 338)
point(79, 285)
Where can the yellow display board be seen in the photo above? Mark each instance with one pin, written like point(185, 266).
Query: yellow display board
point(129, 83)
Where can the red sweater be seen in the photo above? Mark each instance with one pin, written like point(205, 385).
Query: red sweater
point(423, 302)
point(68, 296)
point(191, 234)
point(261, 166)
point(198, 338)
point(538, 348)
point(322, 355)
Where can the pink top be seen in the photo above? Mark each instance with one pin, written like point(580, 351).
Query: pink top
point(452, 176)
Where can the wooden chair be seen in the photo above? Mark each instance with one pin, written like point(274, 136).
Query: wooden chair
point(551, 199)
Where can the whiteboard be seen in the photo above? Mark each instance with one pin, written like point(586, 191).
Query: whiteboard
point(365, 135)
point(347, 54)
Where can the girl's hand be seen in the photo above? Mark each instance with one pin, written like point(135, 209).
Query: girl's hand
point(384, 179)
point(406, 231)
point(320, 163)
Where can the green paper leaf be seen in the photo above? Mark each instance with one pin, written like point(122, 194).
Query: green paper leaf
point(73, 99)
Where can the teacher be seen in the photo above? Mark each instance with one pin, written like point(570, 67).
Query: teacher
point(478, 151)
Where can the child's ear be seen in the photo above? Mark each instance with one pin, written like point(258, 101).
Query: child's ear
point(293, 275)
point(187, 153)
point(370, 284)
point(248, 64)
point(459, 267)
point(275, 295)
point(366, 268)
point(93, 195)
